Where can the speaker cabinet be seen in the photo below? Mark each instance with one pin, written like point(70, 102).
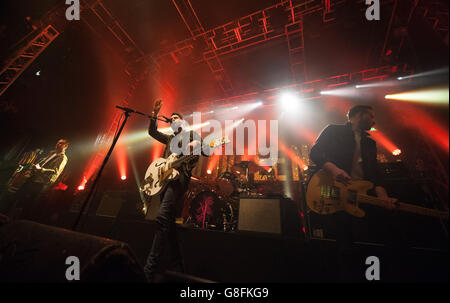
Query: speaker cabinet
point(110, 204)
point(260, 215)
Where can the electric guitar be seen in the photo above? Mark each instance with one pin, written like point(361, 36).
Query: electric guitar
point(324, 196)
point(21, 175)
point(162, 171)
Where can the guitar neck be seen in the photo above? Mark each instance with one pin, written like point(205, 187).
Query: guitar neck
point(403, 207)
point(183, 159)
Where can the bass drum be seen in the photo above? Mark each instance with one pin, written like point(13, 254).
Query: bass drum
point(207, 211)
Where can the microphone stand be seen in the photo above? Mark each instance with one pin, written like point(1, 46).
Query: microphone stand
point(127, 112)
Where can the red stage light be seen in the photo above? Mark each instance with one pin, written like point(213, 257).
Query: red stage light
point(80, 188)
point(123, 177)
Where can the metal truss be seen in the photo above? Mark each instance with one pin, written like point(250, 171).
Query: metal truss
point(436, 14)
point(194, 26)
point(280, 21)
point(25, 56)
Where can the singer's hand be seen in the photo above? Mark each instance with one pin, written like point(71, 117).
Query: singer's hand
point(157, 106)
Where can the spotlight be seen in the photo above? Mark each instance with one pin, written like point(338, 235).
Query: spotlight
point(209, 172)
point(396, 152)
point(123, 177)
point(400, 78)
point(289, 102)
point(38, 73)
point(80, 188)
point(437, 95)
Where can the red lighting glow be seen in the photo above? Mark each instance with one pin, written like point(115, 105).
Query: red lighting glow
point(80, 188)
point(121, 160)
point(294, 158)
point(385, 142)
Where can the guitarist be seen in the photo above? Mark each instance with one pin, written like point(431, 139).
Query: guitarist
point(347, 153)
point(165, 239)
point(39, 178)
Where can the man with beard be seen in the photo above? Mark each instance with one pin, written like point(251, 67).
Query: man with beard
point(348, 154)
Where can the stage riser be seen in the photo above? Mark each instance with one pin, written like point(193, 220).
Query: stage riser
point(261, 257)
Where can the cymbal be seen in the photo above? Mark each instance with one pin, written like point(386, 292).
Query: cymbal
point(243, 165)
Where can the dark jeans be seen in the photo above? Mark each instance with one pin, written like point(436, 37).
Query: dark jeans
point(26, 197)
point(165, 242)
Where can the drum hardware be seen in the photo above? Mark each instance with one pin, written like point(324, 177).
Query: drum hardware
point(207, 211)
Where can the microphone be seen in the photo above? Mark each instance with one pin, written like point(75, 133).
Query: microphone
point(167, 120)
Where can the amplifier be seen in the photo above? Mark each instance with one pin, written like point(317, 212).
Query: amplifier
point(269, 215)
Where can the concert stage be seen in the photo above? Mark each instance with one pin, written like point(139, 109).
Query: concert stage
point(292, 141)
point(258, 257)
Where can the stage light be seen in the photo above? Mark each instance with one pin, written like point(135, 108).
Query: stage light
point(432, 95)
point(209, 172)
point(289, 102)
point(38, 73)
point(80, 188)
point(424, 74)
point(235, 107)
point(396, 152)
point(123, 177)
point(388, 83)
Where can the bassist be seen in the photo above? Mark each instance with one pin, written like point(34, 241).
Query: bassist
point(347, 153)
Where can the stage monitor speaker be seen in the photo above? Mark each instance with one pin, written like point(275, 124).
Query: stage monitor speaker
point(33, 252)
point(110, 204)
point(260, 215)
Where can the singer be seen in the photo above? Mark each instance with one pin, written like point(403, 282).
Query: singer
point(165, 239)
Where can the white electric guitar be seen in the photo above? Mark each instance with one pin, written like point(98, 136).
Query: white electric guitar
point(162, 171)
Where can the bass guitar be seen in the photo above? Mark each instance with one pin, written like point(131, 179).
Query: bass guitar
point(325, 196)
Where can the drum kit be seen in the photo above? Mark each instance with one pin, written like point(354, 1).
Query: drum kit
point(214, 204)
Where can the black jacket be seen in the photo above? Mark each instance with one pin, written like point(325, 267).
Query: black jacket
point(336, 144)
point(166, 139)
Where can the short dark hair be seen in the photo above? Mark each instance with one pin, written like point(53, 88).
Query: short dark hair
point(179, 115)
point(358, 109)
